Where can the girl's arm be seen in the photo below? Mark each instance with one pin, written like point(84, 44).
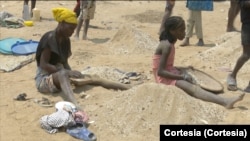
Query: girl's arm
point(161, 71)
point(182, 69)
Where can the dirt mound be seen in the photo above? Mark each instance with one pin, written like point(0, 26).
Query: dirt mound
point(10, 63)
point(225, 54)
point(110, 73)
point(140, 111)
point(129, 40)
point(149, 16)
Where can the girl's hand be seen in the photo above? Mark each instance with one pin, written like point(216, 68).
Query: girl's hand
point(189, 78)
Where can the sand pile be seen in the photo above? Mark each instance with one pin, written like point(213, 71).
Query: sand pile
point(106, 72)
point(140, 110)
point(225, 54)
point(10, 63)
point(130, 40)
point(115, 74)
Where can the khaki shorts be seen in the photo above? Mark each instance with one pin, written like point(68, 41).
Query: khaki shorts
point(88, 13)
point(45, 84)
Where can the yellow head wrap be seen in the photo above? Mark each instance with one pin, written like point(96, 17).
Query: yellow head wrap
point(64, 14)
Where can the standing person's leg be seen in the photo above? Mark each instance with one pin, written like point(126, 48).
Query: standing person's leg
point(33, 5)
point(79, 26)
point(80, 20)
point(198, 27)
point(85, 29)
point(247, 89)
point(25, 2)
point(232, 85)
point(232, 13)
point(197, 92)
point(245, 37)
point(168, 12)
point(77, 8)
point(26, 13)
point(88, 15)
point(190, 27)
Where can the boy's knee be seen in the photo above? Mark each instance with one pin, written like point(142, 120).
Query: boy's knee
point(63, 73)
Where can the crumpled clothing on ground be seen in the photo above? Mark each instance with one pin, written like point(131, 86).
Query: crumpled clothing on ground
point(10, 21)
point(60, 118)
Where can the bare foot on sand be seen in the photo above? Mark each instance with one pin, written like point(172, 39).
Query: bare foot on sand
point(232, 29)
point(247, 89)
point(231, 101)
point(200, 43)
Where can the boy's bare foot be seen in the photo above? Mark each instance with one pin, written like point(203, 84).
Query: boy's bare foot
point(231, 29)
point(247, 89)
point(231, 83)
point(231, 101)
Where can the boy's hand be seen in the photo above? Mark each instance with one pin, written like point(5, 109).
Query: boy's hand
point(75, 74)
point(191, 67)
point(81, 116)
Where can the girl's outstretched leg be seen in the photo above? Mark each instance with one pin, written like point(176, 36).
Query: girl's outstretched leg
point(202, 94)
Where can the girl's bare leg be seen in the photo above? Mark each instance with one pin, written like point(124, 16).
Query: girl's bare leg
point(202, 94)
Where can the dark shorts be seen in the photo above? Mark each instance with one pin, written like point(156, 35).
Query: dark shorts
point(245, 34)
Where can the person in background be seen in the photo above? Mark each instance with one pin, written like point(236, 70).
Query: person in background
point(195, 20)
point(233, 11)
point(33, 5)
point(245, 41)
point(168, 12)
point(77, 8)
point(87, 11)
point(166, 73)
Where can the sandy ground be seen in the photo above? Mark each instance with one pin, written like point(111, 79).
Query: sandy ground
point(124, 37)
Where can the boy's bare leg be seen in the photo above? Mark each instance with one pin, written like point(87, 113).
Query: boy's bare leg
point(78, 28)
point(96, 80)
point(240, 62)
point(61, 81)
point(84, 80)
point(232, 13)
point(33, 5)
point(202, 94)
point(85, 29)
point(247, 89)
